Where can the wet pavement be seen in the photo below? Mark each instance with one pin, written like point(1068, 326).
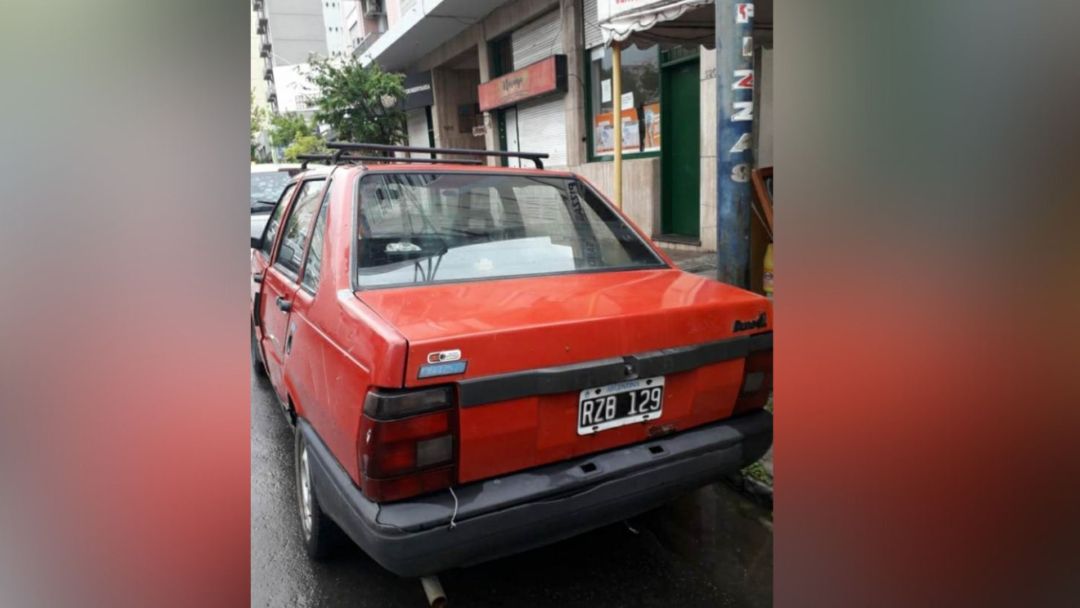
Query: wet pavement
point(710, 548)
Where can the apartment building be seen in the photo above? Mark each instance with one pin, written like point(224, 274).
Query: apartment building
point(288, 33)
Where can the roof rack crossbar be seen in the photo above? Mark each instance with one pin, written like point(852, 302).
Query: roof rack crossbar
point(402, 159)
point(339, 158)
point(310, 158)
point(535, 157)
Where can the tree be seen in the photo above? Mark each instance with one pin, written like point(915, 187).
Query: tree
point(353, 101)
point(287, 128)
point(258, 122)
point(304, 144)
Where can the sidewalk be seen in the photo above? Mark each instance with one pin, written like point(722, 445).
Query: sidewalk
point(758, 477)
point(697, 262)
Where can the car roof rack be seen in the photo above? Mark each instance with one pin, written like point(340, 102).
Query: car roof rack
point(339, 158)
point(535, 157)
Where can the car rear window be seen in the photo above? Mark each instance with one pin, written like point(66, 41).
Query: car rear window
point(419, 228)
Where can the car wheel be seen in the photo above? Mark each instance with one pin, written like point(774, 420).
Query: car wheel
point(257, 364)
point(319, 533)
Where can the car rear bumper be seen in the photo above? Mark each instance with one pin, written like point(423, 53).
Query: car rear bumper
point(521, 511)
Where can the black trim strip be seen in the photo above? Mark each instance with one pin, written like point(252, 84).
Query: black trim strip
point(579, 376)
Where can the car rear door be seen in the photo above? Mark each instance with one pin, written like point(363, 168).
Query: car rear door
point(281, 279)
point(260, 257)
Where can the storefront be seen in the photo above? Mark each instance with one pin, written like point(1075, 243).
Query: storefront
point(536, 75)
point(531, 114)
point(419, 98)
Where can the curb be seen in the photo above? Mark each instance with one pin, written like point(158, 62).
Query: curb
point(753, 489)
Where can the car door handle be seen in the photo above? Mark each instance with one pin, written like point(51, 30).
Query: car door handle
point(283, 304)
point(257, 278)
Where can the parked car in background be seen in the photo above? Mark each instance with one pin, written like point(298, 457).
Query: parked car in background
point(267, 182)
point(482, 360)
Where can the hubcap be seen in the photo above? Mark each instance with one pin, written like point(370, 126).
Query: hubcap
point(306, 516)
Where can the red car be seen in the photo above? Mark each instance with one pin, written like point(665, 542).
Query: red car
point(482, 360)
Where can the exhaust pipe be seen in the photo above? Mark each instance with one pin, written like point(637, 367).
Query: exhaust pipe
point(436, 597)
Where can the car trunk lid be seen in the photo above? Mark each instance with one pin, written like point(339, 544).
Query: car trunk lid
point(522, 351)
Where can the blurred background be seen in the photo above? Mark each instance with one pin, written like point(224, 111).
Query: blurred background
point(926, 302)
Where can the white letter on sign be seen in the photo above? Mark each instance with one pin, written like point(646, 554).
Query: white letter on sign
point(742, 145)
point(740, 173)
point(743, 12)
point(744, 110)
point(744, 79)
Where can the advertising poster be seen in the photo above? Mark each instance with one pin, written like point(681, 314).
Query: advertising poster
point(633, 131)
point(652, 126)
point(604, 136)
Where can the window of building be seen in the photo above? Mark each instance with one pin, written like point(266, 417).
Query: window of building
point(640, 101)
point(502, 57)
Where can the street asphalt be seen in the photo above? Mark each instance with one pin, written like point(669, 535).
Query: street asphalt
point(710, 548)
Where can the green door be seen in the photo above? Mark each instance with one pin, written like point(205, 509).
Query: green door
point(680, 150)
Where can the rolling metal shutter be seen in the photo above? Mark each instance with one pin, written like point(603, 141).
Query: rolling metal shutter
point(418, 128)
point(537, 40)
point(541, 123)
point(593, 36)
point(542, 128)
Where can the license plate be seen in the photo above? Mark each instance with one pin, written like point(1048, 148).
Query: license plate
point(619, 404)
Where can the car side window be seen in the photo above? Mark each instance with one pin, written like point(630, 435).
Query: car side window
point(313, 266)
point(275, 220)
point(297, 228)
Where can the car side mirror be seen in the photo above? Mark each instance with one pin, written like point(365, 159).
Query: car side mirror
point(256, 242)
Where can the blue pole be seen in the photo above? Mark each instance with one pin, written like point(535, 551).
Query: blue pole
point(734, 156)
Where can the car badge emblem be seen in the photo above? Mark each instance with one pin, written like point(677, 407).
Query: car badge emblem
point(431, 370)
point(758, 323)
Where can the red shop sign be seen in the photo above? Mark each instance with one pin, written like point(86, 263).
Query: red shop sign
point(543, 77)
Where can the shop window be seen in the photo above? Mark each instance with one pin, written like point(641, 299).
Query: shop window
point(502, 57)
point(640, 101)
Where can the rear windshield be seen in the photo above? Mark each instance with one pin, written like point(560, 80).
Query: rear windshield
point(418, 228)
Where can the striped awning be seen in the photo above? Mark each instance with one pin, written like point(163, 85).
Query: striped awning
point(664, 22)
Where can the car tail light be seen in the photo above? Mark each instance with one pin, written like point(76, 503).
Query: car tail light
point(757, 380)
point(407, 444)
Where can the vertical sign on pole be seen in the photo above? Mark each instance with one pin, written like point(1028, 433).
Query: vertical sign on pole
point(735, 116)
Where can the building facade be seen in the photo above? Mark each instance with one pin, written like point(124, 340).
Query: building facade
point(535, 75)
point(288, 32)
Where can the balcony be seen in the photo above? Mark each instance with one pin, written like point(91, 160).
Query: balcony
point(361, 44)
point(263, 26)
point(264, 50)
point(422, 27)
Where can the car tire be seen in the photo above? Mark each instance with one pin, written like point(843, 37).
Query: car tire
point(257, 364)
point(318, 532)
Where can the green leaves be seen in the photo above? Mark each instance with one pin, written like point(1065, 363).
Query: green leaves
point(304, 144)
point(351, 101)
point(286, 128)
